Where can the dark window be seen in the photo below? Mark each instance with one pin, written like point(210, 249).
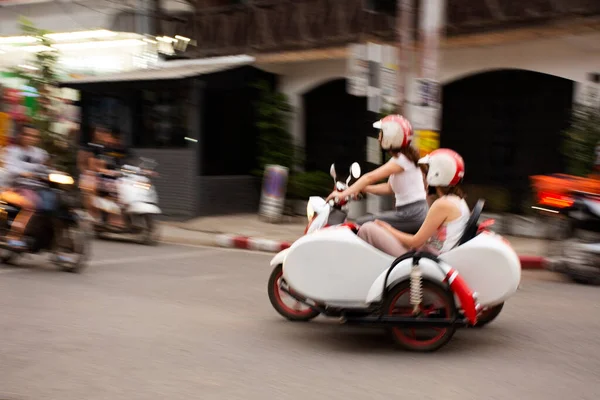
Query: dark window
point(109, 112)
point(162, 118)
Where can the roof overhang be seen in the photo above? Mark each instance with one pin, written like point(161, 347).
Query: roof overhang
point(169, 70)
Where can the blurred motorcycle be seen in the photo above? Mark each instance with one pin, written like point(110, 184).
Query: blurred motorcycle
point(57, 227)
point(571, 205)
point(135, 201)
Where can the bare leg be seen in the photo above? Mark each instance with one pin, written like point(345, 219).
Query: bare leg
point(381, 239)
point(17, 228)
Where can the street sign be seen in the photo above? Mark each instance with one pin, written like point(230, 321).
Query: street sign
point(426, 141)
point(389, 75)
point(272, 198)
point(374, 52)
point(357, 70)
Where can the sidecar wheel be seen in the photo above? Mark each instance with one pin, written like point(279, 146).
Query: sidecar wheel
point(8, 257)
point(437, 303)
point(488, 315)
point(302, 313)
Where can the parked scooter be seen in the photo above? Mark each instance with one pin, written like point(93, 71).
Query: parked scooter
point(136, 203)
point(420, 298)
point(57, 227)
point(575, 245)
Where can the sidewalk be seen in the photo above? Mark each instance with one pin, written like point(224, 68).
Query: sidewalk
point(247, 231)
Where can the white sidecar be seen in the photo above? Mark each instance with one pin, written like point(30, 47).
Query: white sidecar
point(335, 273)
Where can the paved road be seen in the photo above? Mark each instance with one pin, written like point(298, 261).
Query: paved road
point(194, 323)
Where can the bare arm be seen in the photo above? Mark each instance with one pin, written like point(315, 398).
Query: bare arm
point(371, 178)
point(438, 213)
point(380, 189)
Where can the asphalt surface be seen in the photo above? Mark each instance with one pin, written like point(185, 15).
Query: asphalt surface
point(174, 322)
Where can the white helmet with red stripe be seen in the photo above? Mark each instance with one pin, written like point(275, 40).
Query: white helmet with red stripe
point(446, 168)
point(396, 132)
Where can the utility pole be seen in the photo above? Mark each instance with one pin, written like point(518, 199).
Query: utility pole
point(147, 21)
point(405, 10)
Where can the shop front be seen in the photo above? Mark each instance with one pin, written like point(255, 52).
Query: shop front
point(80, 54)
point(195, 118)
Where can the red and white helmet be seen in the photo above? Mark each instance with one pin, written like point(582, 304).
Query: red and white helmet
point(446, 167)
point(396, 131)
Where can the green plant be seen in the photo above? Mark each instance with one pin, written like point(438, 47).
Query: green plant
point(581, 139)
point(275, 143)
point(42, 76)
point(302, 185)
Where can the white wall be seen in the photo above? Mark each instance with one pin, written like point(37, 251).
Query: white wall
point(66, 15)
point(570, 57)
point(60, 16)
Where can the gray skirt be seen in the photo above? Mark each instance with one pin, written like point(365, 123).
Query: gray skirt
point(407, 218)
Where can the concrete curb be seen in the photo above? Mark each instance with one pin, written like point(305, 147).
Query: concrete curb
point(273, 246)
point(247, 243)
point(533, 262)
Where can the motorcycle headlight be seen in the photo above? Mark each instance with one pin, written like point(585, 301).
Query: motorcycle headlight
point(310, 213)
point(61, 179)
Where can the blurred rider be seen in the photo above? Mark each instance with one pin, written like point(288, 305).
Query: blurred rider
point(89, 162)
point(21, 161)
point(404, 177)
point(445, 221)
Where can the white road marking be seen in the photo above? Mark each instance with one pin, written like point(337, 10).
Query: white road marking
point(170, 256)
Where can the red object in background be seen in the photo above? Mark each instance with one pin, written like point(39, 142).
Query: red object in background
point(556, 200)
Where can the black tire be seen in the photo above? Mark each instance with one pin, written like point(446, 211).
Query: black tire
point(150, 235)
point(488, 315)
point(430, 289)
point(279, 306)
point(8, 257)
point(80, 247)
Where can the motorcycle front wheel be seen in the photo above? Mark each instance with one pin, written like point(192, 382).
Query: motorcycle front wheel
point(298, 312)
point(75, 245)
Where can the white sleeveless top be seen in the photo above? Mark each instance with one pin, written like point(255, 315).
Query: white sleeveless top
point(408, 185)
point(448, 235)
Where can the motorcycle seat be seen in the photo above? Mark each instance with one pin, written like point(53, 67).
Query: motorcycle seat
point(472, 224)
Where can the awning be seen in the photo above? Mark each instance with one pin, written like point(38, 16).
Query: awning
point(167, 70)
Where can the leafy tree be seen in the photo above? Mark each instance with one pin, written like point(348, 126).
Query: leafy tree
point(275, 143)
point(581, 140)
point(43, 77)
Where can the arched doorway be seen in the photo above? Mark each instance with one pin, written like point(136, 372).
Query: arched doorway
point(336, 127)
point(507, 125)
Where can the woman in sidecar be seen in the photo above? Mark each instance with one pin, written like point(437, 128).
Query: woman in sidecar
point(404, 178)
point(446, 220)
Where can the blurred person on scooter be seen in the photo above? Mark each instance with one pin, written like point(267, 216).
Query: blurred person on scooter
point(404, 177)
point(87, 163)
point(446, 219)
point(21, 161)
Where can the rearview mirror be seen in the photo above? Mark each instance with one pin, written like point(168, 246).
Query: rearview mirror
point(355, 170)
point(332, 171)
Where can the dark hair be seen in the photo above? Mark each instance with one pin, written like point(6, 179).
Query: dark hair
point(455, 190)
point(409, 152)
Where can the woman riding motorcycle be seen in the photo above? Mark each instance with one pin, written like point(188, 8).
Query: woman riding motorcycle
point(405, 178)
point(21, 160)
point(445, 221)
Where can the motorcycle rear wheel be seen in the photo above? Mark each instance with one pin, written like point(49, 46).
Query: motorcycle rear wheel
point(150, 234)
point(303, 315)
